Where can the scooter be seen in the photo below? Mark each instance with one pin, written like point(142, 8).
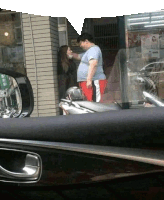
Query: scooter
point(71, 106)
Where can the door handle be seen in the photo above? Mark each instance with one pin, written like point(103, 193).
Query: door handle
point(30, 171)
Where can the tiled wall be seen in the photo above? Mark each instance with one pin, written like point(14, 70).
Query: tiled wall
point(40, 46)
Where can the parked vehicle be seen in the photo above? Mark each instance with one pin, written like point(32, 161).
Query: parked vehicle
point(74, 103)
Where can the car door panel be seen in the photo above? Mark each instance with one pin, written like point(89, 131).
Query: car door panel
point(69, 163)
point(74, 175)
point(87, 149)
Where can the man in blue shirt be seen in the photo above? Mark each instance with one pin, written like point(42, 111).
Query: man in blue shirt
point(90, 74)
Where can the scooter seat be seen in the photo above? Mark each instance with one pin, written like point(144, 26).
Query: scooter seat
point(98, 107)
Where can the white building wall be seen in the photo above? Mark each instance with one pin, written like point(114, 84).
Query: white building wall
point(41, 43)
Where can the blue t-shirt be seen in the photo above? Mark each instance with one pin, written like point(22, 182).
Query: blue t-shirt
point(93, 52)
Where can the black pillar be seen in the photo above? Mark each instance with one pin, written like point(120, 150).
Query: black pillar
point(122, 62)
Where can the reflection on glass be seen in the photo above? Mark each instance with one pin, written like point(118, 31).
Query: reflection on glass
point(141, 80)
point(149, 78)
point(10, 97)
point(144, 55)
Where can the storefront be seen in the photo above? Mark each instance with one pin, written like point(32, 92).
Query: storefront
point(144, 55)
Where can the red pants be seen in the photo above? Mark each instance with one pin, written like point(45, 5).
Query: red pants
point(95, 92)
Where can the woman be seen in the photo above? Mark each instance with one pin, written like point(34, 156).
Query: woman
point(67, 72)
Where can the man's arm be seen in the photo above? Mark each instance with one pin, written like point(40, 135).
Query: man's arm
point(76, 56)
point(91, 72)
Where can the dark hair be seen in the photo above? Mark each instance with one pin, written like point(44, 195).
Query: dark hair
point(85, 36)
point(63, 60)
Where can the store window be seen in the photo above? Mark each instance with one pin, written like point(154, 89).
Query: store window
point(11, 44)
point(145, 55)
